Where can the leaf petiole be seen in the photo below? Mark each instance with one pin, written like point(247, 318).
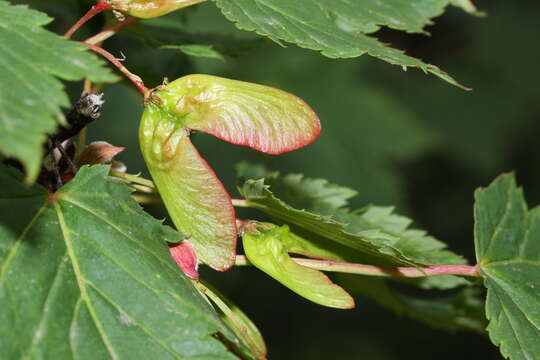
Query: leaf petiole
point(133, 178)
point(135, 79)
point(110, 31)
point(94, 10)
point(371, 270)
point(240, 203)
point(147, 199)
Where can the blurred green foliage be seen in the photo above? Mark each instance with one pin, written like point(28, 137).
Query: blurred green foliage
point(402, 139)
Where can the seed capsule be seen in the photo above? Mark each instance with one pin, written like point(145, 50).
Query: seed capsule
point(261, 117)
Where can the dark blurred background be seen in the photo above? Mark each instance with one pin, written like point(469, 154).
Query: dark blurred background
point(399, 138)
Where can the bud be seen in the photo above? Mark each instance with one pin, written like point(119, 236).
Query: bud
point(98, 152)
point(268, 251)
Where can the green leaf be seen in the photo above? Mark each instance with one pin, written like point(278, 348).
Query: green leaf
point(461, 311)
point(267, 251)
point(416, 245)
point(376, 234)
point(468, 6)
point(263, 118)
point(507, 240)
point(321, 197)
point(31, 95)
point(196, 50)
point(194, 197)
point(313, 247)
point(316, 195)
point(259, 196)
point(88, 275)
point(338, 28)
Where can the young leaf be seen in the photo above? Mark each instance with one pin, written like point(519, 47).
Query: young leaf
point(150, 8)
point(32, 59)
point(377, 235)
point(416, 245)
point(195, 199)
point(468, 6)
point(267, 251)
point(337, 28)
point(196, 50)
point(263, 118)
point(507, 241)
point(316, 195)
point(315, 247)
point(88, 275)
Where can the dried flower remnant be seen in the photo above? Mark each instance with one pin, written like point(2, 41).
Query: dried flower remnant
point(98, 152)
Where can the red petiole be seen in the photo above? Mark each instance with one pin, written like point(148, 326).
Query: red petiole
point(110, 31)
point(96, 9)
point(136, 80)
point(371, 270)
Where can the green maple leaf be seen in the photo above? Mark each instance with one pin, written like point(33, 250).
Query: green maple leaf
point(196, 50)
point(316, 210)
point(507, 240)
point(338, 28)
point(324, 200)
point(32, 59)
point(84, 272)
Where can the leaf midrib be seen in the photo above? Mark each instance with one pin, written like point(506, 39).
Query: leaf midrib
point(46, 303)
point(114, 226)
point(509, 262)
point(81, 281)
point(503, 309)
point(170, 265)
point(500, 280)
point(133, 276)
point(15, 246)
point(292, 20)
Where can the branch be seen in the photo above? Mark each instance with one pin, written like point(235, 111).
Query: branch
point(136, 80)
point(86, 110)
point(94, 10)
point(110, 31)
point(371, 270)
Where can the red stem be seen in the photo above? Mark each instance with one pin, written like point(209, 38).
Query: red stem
point(137, 81)
point(390, 271)
point(371, 270)
point(94, 10)
point(110, 31)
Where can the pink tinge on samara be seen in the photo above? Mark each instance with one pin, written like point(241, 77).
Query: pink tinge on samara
point(185, 257)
